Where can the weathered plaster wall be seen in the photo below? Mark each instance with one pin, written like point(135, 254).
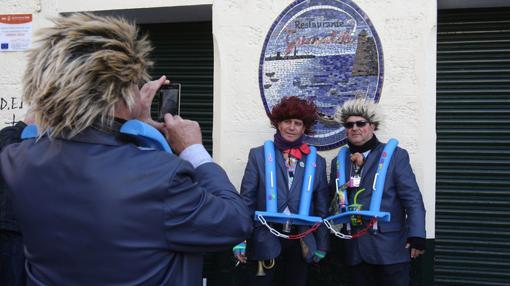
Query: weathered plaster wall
point(99, 5)
point(13, 63)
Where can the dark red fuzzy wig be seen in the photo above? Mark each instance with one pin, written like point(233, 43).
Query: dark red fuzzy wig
point(292, 107)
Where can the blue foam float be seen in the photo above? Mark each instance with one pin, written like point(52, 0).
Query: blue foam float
point(145, 135)
point(30, 131)
point(378, 187)
point(271, 214)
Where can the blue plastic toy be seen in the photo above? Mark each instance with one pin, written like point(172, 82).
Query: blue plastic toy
point(271, 214)
point(30, 131)
point(378, 187)
point(145, 135)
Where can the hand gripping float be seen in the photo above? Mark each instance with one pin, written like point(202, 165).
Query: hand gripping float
point(144, 134)
point(271, 214)
point(378, 187)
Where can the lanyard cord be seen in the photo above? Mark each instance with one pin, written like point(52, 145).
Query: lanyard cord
point(357, 169)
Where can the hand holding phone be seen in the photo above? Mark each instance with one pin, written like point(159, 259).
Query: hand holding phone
point(149, 93)
point(169, 100)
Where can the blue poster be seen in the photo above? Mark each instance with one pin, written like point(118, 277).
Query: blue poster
point(326, 51)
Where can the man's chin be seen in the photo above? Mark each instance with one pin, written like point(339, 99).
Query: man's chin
point(290, 139)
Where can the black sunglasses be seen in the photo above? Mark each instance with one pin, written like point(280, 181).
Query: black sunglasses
point(360, 123)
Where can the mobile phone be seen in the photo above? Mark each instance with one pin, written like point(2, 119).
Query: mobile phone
point(169, 100)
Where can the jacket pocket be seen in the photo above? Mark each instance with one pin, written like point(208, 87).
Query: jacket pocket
point(389, 227)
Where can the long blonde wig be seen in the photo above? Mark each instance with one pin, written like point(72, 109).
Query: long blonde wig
point(81, 67)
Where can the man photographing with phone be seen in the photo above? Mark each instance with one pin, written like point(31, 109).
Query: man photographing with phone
point(94, 208)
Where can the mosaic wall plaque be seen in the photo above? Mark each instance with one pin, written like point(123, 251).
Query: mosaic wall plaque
point(326, 51)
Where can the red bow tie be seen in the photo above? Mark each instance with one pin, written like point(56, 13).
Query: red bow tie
point(298, 151)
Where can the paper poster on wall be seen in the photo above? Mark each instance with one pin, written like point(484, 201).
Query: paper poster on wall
point(326, 51)
point(15, 32)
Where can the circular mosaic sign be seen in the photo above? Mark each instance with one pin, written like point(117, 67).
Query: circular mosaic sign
point(326, 51)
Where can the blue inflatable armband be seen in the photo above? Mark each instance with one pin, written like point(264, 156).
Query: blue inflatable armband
point(378, 187)
point(380, 176)
point(144, 134)
point(271, 214)
point(30, 131)
point(307, 187)
point(270, 167)
point(341, 180)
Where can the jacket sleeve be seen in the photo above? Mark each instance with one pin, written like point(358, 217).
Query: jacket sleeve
point(250, 183)
point(11, 134)
point(262, 244)
point(409, 194)
point(321, 204)
point(332, 179)
point(8, 135)
point(203, 211)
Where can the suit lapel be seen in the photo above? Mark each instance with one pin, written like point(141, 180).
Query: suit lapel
point(281, 178)
point(280, 166)
point(348, 167)
point(298, 176)
point(373, 159)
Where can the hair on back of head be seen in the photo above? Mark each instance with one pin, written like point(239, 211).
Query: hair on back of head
point(80, 68)
point(366, 108)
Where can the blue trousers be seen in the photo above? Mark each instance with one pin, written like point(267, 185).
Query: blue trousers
point(365, 274)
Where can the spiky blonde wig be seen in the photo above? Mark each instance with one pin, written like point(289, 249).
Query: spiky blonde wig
point(80, 68)
point(359, 107)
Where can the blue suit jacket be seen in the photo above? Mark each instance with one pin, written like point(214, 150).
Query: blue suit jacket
point(8, 135)
point(401, 198)
point(95, 210)
point(263, 245)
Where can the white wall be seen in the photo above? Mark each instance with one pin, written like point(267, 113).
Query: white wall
point(13, 63)
point(64, 6)
point(408, 37)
